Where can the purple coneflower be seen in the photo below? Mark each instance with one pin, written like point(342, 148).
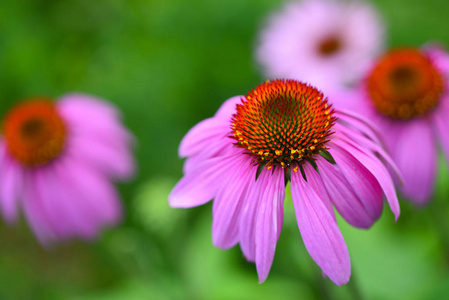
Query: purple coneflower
point(284, 131)
point(56, 162)
point(406, 94)
point(323, 42)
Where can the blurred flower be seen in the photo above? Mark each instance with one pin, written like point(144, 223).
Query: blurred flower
point(405, 94)
point(323, 42)
point(284, 131)
point(57, 160)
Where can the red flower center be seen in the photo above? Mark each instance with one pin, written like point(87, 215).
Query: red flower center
point(405, 84)
point(281, 121)
point(34, 132)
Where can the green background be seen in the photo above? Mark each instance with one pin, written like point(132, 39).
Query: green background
point(167, 65)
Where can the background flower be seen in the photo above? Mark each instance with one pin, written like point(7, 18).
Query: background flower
point(323, 42)
point(56, 162)
point(405, 94)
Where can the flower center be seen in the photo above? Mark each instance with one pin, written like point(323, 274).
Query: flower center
point(34, 132)
point(405, 84)
point(281, 121)
point(329, 46)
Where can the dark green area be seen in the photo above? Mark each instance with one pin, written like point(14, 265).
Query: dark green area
point(167, 65)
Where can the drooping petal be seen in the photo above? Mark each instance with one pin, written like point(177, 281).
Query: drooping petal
point(201, 184)
point(35, 211)
point(320, 232)
point(360, 124)
point(363, 183)
point(88, 119)
point(367, 146)
point(315, 181)
point(114, 159)
point(440, 123)
point(416, 157)
point(269, 221)
point(229, 201)
point(98, 201)
point(343, 196)
point(247, 222)
point(11, 185)
point(86, 114)
point(80, 103)
point(71, 204)
point(379, 171)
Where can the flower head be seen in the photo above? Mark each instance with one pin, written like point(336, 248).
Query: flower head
point(282, 131)
point(324, 42)
point(406, 94)
point(57, 160)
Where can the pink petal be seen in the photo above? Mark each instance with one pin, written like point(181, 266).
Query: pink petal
point(363, 183)
point(95, 131)
point(85, 114)
point(228, 108)
point(35, 212)
point(343, 196)
point(247, 222)
point(218, 147)
point(96, 198)
point(113, 159)
point(11, 185)
point(67, 199)
point(347, 136)
point(201, 184)
point(203, 134)
point(315, 181)
point(80, 103)
point(359, 123)
point(269, 221)
point(228, 202)
point(378, 169)
point(416, 156)
point(439, 56)
point(320, 232)
point(440, 123)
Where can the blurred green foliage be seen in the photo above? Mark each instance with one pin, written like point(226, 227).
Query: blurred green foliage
point(167, 65)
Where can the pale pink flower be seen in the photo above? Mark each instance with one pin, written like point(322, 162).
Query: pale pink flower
point(322, 42)
point(406, 95)
point(57, 160)
point(284, 131)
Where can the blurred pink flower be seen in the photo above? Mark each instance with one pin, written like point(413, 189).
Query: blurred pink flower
point(322, 42)
point(284, 131)
point(56, 162)
point(406, 94)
